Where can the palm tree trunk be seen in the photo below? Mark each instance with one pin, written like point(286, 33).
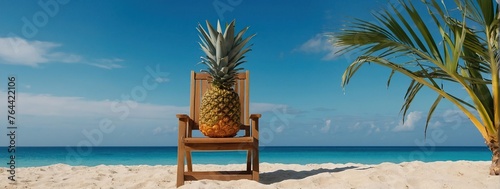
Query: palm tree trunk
point(495, 159)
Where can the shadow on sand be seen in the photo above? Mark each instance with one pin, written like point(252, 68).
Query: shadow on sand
point(281, 175)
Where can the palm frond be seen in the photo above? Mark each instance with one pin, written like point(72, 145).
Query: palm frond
point(448, 49)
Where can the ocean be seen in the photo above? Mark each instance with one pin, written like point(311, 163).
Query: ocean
point(93, 156)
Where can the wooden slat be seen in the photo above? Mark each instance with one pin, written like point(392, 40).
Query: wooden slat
point(255, 126)
point(219, 147)
point(255, 163)
point(241, 93)
point(247, 99)
point(218, 140)
point(218, 175)
point(202, 76)
point(237, 86)
point(190, 128)
point(181, 152)
point(189, 160)
point(242, 76)
point(205, 85)
point(246, 128)
point(249, 160)
point(193, 96)
point(196, 99)
point(206, 76)
point(255, 174)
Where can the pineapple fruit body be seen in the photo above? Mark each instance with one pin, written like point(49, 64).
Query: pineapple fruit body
point(220, 113)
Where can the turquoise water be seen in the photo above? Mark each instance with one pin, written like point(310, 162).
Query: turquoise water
point(42, 156)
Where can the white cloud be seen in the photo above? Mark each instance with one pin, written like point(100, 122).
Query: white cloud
point(316, 44)
point(108, 67)
point(319, 44)
point(435, 124)
point(164, 129)
point(326, 128)
point(157, 130)
point(64, 57)
point(18, 51)
point(280, 115)
point(366, 126)
point(267, 107)
point(453, 115)
point(77, 107)
point(410, 122)
point(373, 128)
point(451, 118)
point(106, 63)
point(162, 79)
point(48, 106)
point(280, 129)
point(355, 127)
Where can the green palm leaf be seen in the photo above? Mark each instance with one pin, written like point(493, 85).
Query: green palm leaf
point(449, 49)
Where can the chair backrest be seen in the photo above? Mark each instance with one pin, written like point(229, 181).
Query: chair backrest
point(200, 84)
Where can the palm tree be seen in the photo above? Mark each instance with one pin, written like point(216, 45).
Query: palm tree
point(458, 45)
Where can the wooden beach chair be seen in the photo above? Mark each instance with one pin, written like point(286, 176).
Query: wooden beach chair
point(187, 142)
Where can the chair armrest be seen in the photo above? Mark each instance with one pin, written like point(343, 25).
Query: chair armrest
point(183, 126)
point(255, 125)
point(182, 116)
point(255, 116)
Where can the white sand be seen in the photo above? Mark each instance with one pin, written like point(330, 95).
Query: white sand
point(462, 174)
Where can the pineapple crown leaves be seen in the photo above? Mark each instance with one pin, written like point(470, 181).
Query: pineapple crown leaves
point(224, 52)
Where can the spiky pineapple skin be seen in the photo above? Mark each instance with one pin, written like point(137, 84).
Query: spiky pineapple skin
point(220, 113)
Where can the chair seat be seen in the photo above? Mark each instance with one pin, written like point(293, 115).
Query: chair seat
point(229, 144)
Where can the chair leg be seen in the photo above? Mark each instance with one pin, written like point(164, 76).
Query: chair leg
point(249, 160)
point(189, 161)
point(255, 171)
point(180, 165)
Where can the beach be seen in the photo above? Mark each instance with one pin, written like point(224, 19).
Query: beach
point(416, 174)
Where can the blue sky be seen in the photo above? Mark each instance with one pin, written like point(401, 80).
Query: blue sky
point(82, 64)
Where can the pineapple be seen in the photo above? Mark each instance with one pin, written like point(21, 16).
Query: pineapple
point(220, 105)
